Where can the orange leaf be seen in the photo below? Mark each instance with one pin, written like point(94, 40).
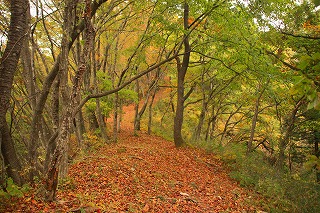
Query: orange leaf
point(146, 208)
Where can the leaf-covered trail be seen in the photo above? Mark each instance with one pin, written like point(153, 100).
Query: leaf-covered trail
point(148, 174)
point(145, 174)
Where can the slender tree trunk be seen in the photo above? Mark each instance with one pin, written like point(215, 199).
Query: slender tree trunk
point(254, 120)
point(102, 124)
point(120, 114)
point(182, 70)
point(287, 132)
point(317, 153)
point(115, 117)
point(80, 128)
point(136, 125)
point(43, 94)
point(150, 110)
point(197, 133)
point(93, 121)
point(51, 180)
point(28, 67)
point(139, 114)
point(9, 61)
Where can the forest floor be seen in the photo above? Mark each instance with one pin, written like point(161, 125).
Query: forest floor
point(144, 173)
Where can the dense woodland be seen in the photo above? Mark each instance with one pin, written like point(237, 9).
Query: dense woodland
point(238, 77)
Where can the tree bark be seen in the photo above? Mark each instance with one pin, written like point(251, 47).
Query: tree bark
point(9, 61)
point(287, 132)
point(182, 70)
point(150, 110)
point(115, 117)
point(254, 120)
point(317, 153)
point(43, 95)
point(51, 180)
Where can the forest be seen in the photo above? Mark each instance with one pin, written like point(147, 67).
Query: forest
point(231, 85)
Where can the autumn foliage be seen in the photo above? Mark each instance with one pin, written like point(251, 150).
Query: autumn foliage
point(143, 174)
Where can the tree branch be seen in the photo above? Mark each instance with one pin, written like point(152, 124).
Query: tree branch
point(282, 61)
point(109, 92)
point(301, 36)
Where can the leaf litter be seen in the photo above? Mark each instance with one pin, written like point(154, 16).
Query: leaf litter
point(144, 173)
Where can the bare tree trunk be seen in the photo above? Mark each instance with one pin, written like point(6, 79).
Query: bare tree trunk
point(43, 95)
point(29, 73)
point(102, 124)
point(139, 114)
point(136, 125)
point(255, 118)
point(227, 124)
point(51, 180)
point(80, 128)
point(150, 110)
point(211, 121)
point(197, 133)
point(9, 61)
point(182, 70)
point(93, 121)
point(115, 117)
point(120, 115)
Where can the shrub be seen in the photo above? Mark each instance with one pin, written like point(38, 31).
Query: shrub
point(284, 192)
point(12, 190)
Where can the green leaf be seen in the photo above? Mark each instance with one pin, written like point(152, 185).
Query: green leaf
point(316, 2)
point(13, 189)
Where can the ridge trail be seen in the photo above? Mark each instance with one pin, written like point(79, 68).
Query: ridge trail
point(144, 173)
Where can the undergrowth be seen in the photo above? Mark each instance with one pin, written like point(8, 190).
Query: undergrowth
point(283, 191)
point(10, 189)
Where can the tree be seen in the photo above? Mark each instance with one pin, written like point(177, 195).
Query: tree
point(182, 68)
point(17, 32)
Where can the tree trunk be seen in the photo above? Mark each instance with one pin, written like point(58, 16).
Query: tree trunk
point(150, 111)
point(2, 168)
point(11, 161)
point(102, 124)
point(197, 133)
point(139, 114)
point(136, 125)
point(317, 153)
point(182, 70)
point(9, 61)
point(95, 60)
point(80, 128)
point(115, 117)
point(51, 180)
point(43, 94)
point(287, 132)
point(254, 120)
